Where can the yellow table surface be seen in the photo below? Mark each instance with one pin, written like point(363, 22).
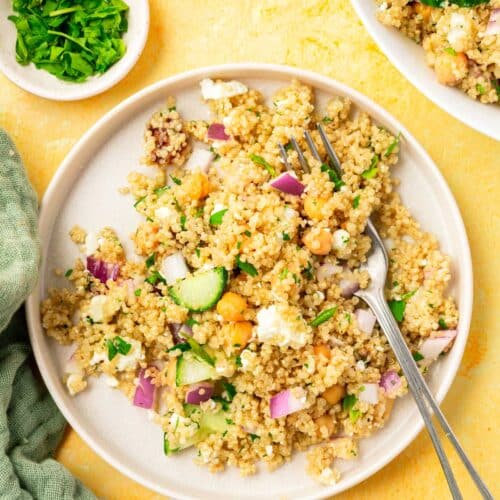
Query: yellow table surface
point(327, 37)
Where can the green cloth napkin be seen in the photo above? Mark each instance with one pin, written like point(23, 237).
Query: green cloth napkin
point(31, 426)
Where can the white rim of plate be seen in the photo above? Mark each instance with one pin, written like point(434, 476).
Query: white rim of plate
point(258, 70)
point(124, 65)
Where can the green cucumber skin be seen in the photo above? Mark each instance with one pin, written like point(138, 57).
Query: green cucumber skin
point(182, 366)
point(177, 298)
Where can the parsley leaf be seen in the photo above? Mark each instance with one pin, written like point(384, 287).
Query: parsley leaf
point(180, 347)
point(355, 202)
point(442, 324)
point(151, 260)
point(154, 278)
point(417, 356)
point(333, 176)
point(451, 51)
point(246, 267)
point(176, 180)
point(263, 163)
point(117, 346)
point(68, 273)
point(371, 172)
point(286, 236)
point(393, 145)
point(398, 308)
point(216, 217)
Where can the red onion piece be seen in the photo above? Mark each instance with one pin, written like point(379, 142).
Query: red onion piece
point(285, 402)
point(390, 382)
point(200, 392)
point(366, 320)
point(145, 392)
point(369, 394)
point(348, 288)
point(101, 270)
point(178, 330)
point(493, 27)
point(217, 132)
point(288, 183)
point(432, 347)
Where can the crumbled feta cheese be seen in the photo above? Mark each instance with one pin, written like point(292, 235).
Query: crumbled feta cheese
point(98, 357)
point(360, 365)
point(269, 450)
point(224, 368)
point(75, 384)
point(340, 239)
point(247, 359)
point(219, 90)
point(200, 159)
point(459, 28)
point(164, 213)
point(95, 309)
point(92, 243)
point(274, 328)
point(131, 360)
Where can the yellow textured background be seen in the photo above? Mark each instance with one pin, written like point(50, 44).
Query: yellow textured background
point(327, 37)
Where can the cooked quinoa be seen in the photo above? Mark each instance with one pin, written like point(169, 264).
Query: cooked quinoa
point(462, 44)
point(275, 353)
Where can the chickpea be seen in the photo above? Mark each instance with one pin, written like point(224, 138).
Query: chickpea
point(322, 350)
point(325, 421)
point(318, 241)
point(231, 306)
point(424, 10)
point(197, 186)
point(450, 68)
point(241, 333)
point(313, 207)
point(334, 394)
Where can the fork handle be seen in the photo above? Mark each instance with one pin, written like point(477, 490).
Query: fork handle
point(423, 397)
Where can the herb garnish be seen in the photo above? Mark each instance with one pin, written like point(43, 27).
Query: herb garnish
point(323, 316)
point(216, 217)
point(263, 163)
point(371, 172)
point(246, 267)
point(117, 346)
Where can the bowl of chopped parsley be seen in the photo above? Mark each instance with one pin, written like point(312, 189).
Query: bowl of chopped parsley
point(71, 49)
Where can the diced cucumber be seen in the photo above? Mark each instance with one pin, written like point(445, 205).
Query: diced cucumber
point(199, 351)
point(170, 446)
point(200, 291)
point(190, 369)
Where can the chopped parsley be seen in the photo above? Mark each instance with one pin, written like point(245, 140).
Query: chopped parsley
point(176, 180)
point(214, 152)
point(139, 200)
point(283, 274)
point(237, 361)
point(247, 233)
point(348, 404)
point(229, 390)
point(263, 163)
point(216, 218)
point(68, 273)
point(183, 220)
point(308, 271)
point(198, 212)
point(288, 146)
point(393, 145)
point(246, 267)
point(117, 346)
point(327, 119)
point(253, 437)
point(137, 293)
point(371, 172)
point(451, 51)
point(159, 191)
point(191, 322)
point(150, 261)
point(323, 316)
point(480, 89)
point(333, 176)
point(442, 324)
point(154, 278)
point(397, 308)
point(180, 347)
point(197, 252)
point(229, 421)
point(417, 356)
point(286, 236)
point(355, 202)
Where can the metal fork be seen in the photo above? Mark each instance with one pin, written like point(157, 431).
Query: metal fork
point(377, 266)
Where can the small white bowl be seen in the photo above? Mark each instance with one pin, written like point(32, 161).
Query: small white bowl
point(44, 84)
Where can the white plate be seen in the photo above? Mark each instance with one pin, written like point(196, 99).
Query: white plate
point(84, 192)
point(409, 59)
point(44, 84)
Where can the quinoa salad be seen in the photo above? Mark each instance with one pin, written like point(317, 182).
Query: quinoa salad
point(461, 39)
point(234, 323)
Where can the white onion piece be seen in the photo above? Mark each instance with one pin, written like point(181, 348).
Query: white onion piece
point(431, 348)
point(369, 394)
point(326, 270)
point(348, 288)
point(366, 320)
point(288, 183)
point(200, 159)
point(493, 27)
point(174, 268)
point(285, 402)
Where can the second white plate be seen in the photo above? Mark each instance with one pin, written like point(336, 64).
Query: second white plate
point(409, 59)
